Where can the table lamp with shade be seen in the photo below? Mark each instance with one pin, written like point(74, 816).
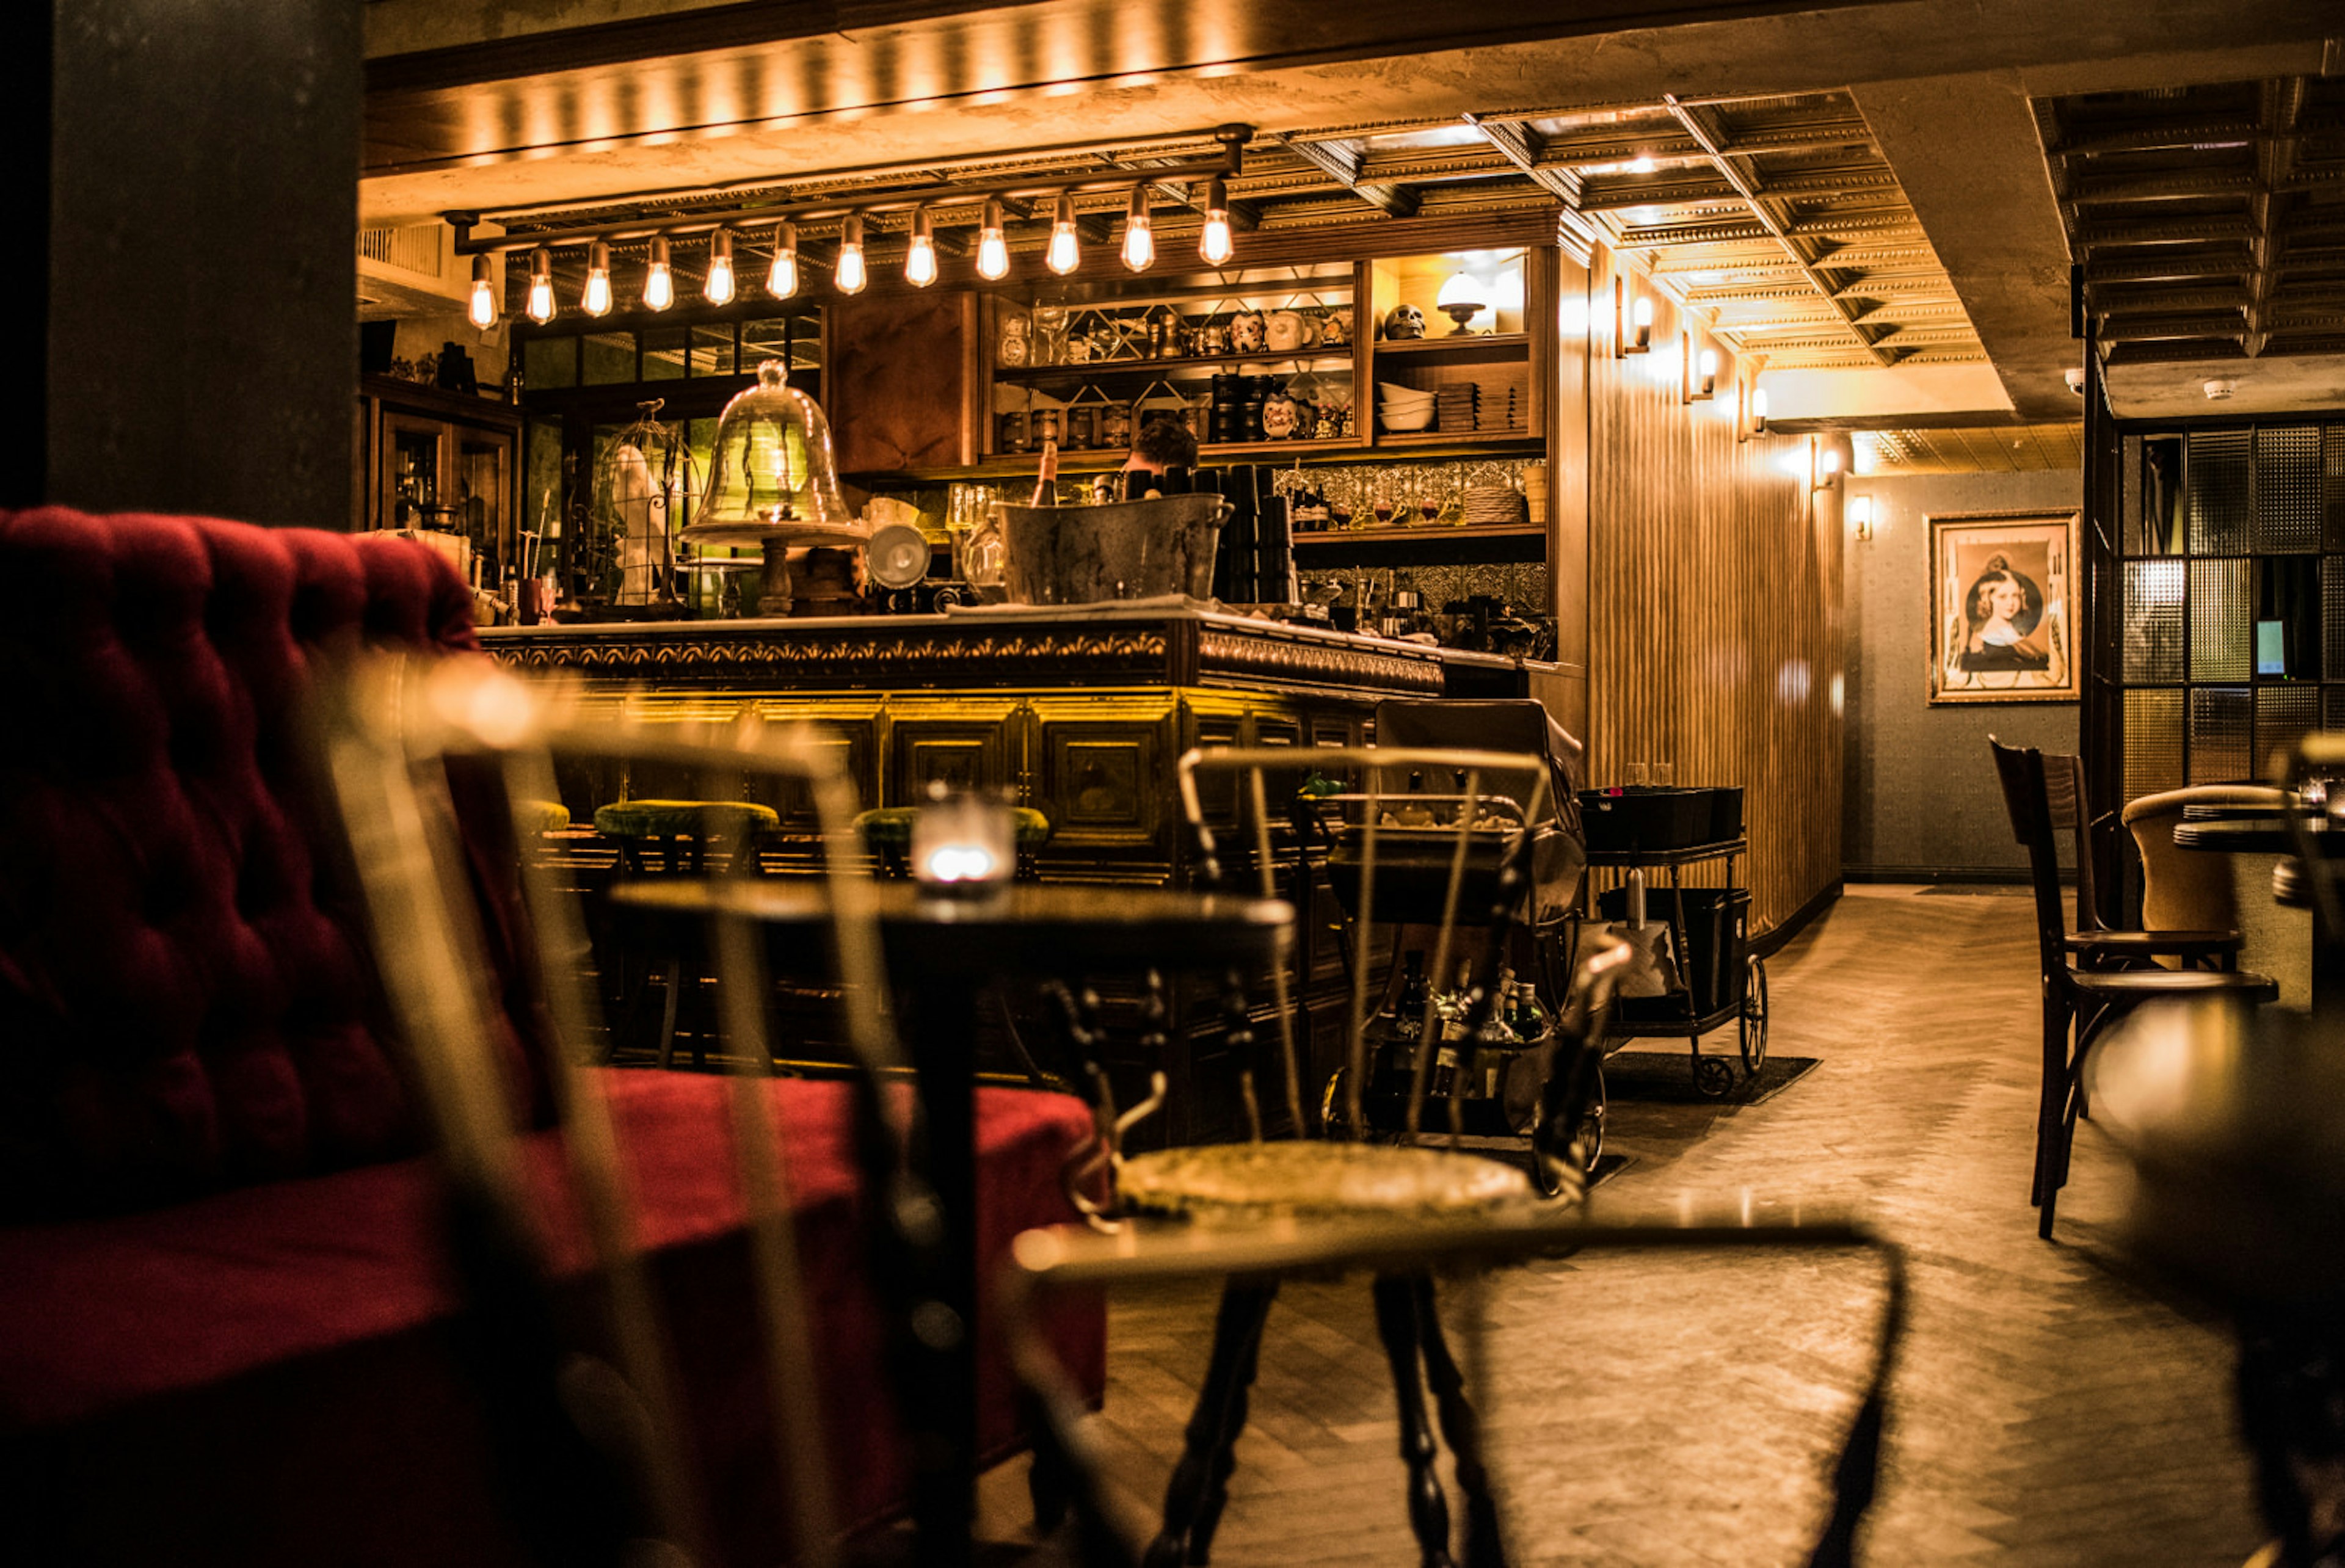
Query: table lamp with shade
point(1462, 299)
point(772, 482)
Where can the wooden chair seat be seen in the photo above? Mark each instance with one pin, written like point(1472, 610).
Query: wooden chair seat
point(2155, 944)
point(2144, 985)
point(1256, 1181)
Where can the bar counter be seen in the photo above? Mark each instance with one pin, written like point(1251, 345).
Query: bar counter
point(1080, 712)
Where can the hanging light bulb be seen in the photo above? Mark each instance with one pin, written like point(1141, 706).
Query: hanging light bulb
point(992, 246)
point(1215, 244)
point(1759, 410)
point(782, 279)
point(850, 277)
point(484, 311)
point(1138, 238)
point(1064, 255)
point(920, 260)
point(540, 286)
point(659, 280)
point(718, 290)
point(596, 300)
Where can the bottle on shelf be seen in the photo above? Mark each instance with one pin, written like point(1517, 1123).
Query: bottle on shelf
point(1046, 479)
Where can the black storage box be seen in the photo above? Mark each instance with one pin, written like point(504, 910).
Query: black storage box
point(1725, 814)
point(1716, 920)
point(1641, 817)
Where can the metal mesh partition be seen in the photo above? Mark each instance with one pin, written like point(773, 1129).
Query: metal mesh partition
point(2332, 487)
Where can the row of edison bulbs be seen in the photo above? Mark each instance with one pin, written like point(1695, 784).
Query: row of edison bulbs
point(1063, 255)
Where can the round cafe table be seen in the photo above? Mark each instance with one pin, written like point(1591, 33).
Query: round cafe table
point(943, 951)
point(2234, 1122)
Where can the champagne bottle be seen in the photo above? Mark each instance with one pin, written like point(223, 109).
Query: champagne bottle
point(1046, 481)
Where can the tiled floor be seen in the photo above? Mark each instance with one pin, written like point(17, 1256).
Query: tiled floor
point(2052, 1405)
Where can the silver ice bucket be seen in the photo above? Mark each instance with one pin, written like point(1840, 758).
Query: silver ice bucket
point(1127, 549)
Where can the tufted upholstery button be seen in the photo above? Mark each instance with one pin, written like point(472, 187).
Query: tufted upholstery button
point(180, 990)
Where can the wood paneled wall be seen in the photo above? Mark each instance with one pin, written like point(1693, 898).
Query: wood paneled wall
point(1715, 612)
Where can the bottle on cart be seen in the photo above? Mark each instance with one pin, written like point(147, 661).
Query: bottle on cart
point(1408, 1013)
point(1530, 1019)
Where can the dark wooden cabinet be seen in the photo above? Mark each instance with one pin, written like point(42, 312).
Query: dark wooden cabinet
point(443, 464)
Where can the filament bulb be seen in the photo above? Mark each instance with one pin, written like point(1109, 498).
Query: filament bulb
point(851, 275)
point(992, 246)
point(921, 261)
point(782, 277)
point(1139, 238)
point(540, 286)
point(1064, 254)
point(718, 290)
point(659, 281)
point(596, 300)
point(484, 311)
point(1216, 245)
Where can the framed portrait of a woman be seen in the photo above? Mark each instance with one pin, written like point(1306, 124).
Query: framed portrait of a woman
point(2002, 607)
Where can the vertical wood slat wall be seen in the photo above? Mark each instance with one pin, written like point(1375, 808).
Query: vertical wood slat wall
point(1715, 616)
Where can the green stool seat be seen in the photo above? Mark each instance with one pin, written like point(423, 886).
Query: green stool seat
point(682, 818)
point(891, 826)
point(547, 815)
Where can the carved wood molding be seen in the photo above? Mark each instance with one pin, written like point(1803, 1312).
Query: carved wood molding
point(911, 659)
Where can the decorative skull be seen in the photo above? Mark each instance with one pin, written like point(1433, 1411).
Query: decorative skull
point(1406, 321)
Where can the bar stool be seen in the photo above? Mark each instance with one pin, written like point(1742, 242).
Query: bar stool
point(886, 832)
point(677, 834)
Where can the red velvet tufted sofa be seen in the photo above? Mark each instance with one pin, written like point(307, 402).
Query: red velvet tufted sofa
point(225, 1330)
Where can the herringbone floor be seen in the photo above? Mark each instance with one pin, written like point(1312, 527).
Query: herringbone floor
point(2051, 1407)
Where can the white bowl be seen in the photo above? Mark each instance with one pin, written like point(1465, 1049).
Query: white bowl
point(1398, 421)
point(1395, 389)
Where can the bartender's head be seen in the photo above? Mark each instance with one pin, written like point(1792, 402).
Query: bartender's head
point(1164, 442)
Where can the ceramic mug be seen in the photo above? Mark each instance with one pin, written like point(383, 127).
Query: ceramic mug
point(1286, 332)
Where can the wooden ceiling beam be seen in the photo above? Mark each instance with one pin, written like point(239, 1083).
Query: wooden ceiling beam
point(1698, 125)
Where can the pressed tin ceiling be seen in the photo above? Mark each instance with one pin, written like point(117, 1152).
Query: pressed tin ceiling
point(2007, 448)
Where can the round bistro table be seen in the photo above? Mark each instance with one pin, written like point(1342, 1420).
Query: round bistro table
point(944, 950)
point(2271, 832)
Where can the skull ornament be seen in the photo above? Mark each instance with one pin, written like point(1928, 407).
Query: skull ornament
point(1406, 321)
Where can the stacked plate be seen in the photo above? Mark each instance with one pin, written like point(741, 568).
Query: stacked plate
point(1455, 407)
point(1493, 505)
point(1402, 408)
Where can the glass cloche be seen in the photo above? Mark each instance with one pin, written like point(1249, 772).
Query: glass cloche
point(774, 475)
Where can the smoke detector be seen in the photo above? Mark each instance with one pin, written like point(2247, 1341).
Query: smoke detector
point(2076, 380)
point(2219, 391)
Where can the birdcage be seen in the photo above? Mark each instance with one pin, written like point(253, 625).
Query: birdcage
point(644, 480)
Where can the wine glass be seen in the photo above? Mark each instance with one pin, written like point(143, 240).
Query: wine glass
point(1383, 501)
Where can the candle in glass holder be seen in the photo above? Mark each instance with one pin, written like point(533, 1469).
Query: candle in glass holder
point(964, 843)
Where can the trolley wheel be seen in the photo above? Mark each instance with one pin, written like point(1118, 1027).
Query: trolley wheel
point(1551, 1149)
point(1713, 1076)
point(1755, 1017)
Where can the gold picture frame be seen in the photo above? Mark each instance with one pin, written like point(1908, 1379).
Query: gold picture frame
point(2002, 607)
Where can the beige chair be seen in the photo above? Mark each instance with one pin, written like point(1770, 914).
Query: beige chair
point(2197, 888)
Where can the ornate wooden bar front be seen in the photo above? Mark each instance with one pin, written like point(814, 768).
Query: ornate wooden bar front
point(1081, 716)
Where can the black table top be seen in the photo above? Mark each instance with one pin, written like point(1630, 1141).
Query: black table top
point(1034, 927)
point(2267, 834)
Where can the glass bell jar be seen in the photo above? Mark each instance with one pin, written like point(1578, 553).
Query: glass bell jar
point(772, 482)
point(643, 480)
point(774, 474)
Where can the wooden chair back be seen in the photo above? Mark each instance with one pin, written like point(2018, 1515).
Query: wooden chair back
point(2026, 796)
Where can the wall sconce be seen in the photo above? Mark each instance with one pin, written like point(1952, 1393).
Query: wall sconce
point(1826, 473)
point(1700, 372)
point(1632, 322)
point(1751, 418)
point(1860, 515)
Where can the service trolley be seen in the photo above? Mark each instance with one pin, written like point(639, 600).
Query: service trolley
point(1716, 980)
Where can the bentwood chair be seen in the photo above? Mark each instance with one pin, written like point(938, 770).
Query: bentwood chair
point(2078, 1003)
point(397, 739)
point(1254, 1210)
